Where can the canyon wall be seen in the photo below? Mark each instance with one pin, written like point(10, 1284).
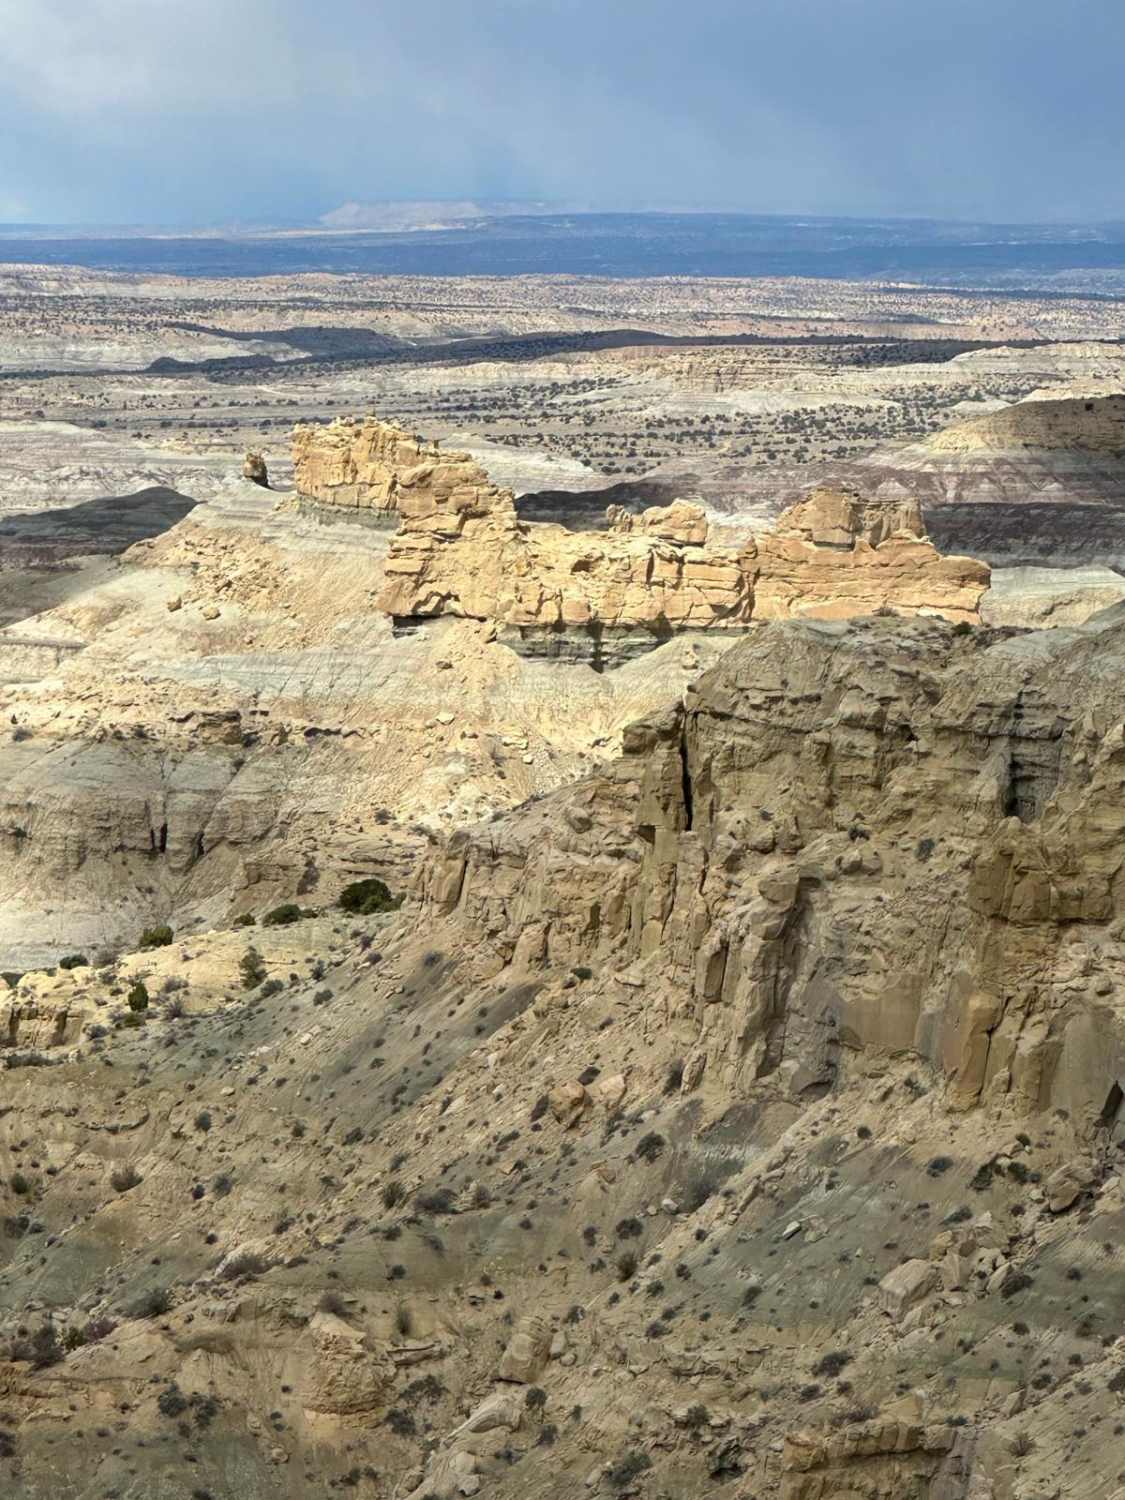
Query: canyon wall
point(852, 840)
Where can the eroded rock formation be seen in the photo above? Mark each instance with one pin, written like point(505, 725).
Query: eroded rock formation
point(370, 466)
point(606, 596)
point(853, 839)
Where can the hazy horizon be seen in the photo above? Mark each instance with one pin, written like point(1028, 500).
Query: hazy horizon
point(144, 112)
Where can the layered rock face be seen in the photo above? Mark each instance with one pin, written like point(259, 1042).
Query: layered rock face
point(851, 840)
point(606, 596)
point(369, 467)
point(744, 1118)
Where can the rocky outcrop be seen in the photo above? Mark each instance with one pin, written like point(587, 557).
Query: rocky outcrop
point(369, 466)
point(852, 840)
point(878, 1460)
point(254, 469)
point(606, 596)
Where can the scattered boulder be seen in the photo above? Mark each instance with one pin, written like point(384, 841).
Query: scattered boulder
point(907, 1285)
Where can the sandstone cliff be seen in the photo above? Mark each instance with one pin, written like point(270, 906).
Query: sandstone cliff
point(744, 1118)
point(605, 596)
point(850, 840)
point(369, 466)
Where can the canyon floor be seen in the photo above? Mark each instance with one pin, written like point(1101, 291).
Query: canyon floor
point(431, 1068)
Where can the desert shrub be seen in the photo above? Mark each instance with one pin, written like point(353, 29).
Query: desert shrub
point(202, 1120)
point(626, 1264)
point(393, 1193)
point(982, 1178)
point(97, 1329)
point(939, 1165)
point(247, 919)
point(19, 1184)
point(629, 1229)
point(366, 898)
point(702, 1181)
point(1021, 1445)
point(41, 1348)
point(286, 914)
point(251, 968)
point(400, 1422)
point(650, 1146)
point(404, 1321)
point(696, 1417)
point(74, 961)
point(425, 1388)
point(673, 1079)
point(137, 998)
point(249, 1264)
point(435, 1201)
point(73, 1338)
point(832, 1364)
point(535, 1398)
point(332, 1302)
point(152, 1304)
point(125, 1178)
point(1015, 1282)
point(631, 1466)
point(271, 987)
point(156, 937)
point(172, 1402)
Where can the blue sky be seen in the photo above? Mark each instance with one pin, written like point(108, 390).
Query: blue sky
point(182, 111)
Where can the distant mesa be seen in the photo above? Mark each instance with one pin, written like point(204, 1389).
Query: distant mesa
point(1082, 424)
point(425, 213)
point(602, 597)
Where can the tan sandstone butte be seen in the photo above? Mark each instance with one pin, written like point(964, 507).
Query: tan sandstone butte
point(461, 549)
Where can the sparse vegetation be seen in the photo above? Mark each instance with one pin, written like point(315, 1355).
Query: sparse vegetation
point(366, 898)
point(155, 937)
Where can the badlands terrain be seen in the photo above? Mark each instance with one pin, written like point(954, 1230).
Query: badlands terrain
point(562, 920)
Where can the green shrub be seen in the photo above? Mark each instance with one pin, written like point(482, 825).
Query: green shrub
point(74, 961)
point(247, 919)
point(286, 914)
point(252, 969)
point(137, 998)
point(366, 898)
point(125, 1178)
point(156, 937)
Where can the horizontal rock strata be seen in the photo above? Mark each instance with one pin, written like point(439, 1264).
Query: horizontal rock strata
point(605, 596)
